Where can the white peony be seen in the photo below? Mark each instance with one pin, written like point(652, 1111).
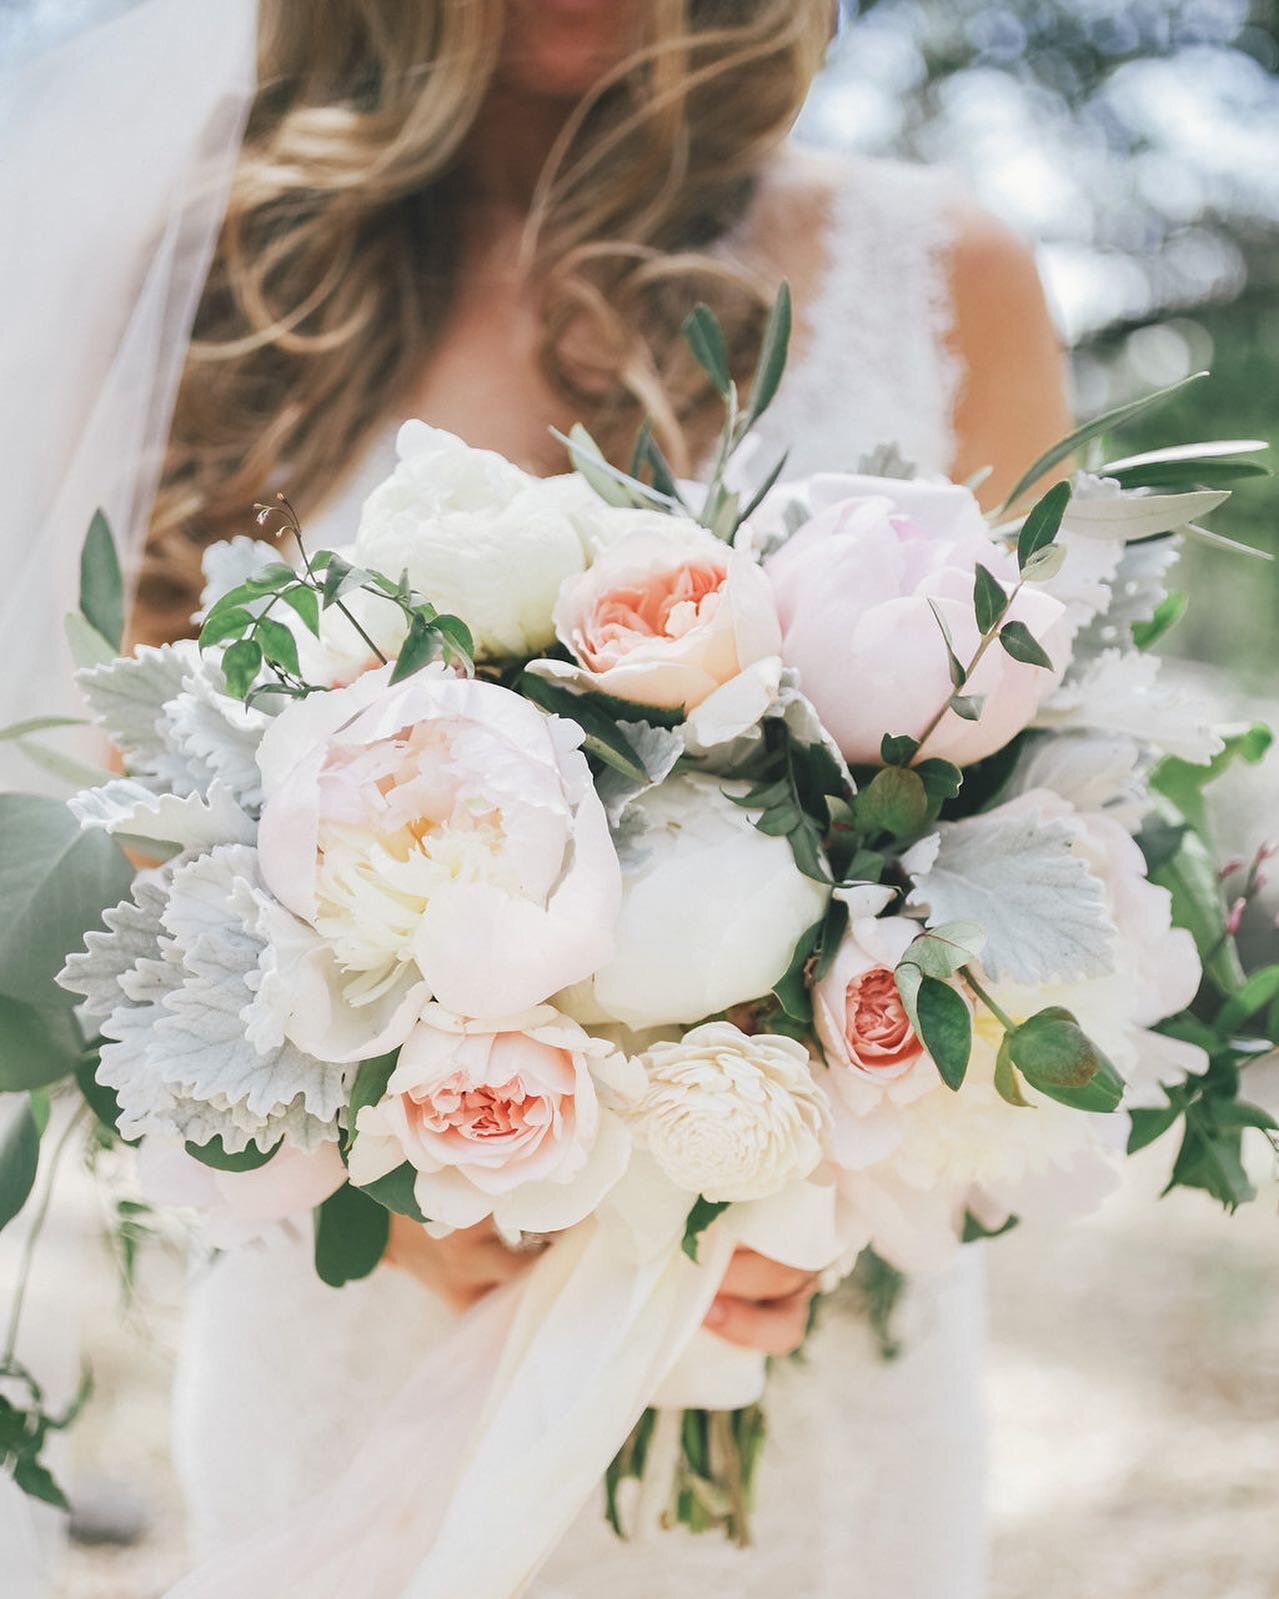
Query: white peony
point(711, 910)
point(731, 1116)
point(476, 535)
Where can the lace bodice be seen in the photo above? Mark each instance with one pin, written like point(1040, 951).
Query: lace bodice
point(871, 1483)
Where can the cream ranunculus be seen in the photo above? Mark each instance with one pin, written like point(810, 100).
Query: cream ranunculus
point(667, 615)
point(711, 910)
point(476, 535)
point(500, 1118)
point(444, 839)
point(730, 1115)
point(856, 586)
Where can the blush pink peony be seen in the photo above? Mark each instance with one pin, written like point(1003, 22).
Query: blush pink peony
point(853, 589)
point(499, 1118)
point(444, 840)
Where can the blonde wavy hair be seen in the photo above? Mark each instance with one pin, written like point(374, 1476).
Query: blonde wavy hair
point(332, 275)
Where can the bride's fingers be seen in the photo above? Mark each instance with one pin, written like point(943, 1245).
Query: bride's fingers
point(775, 1327)
point(752, 1276)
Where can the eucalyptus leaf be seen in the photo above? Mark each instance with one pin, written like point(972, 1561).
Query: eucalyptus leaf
point(87, 645)
point(1106, 422)
point(216, 1155)
point(101, 584)
point(990, 600)
point(351, 1233)
point(395, 1192)
point(894, 801)
point(1043, 522)
point(945, 1026)
point(19, 1157)
point(705, 338)
point(772, 354)
point(1021, 644)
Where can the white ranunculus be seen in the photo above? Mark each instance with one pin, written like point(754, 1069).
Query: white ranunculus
point(731, 1116)
point(476, 535)
point(711, 910)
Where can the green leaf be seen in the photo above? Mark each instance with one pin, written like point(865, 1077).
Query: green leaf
point(1044, 564)
point(39, 724)
point(87, 645)
point(421, 646)
point(1206, 472)
point(215, 1154)
point(703, 1213)
point(303, 599)
point(968, 706)
point(908, 977)
point(1150, 1123)
point(613, 486)
point(38, 1482)
point(772, 354)
point(975, 1229)
point(894, 801)
point(38, 1045)
point(1102, 424)
point(1042, 523)
point(459, 645)
point(706, 340)
point(791, 988)
point(395, 1192)
point(1057, 1057)
point(898, 749)
point(958, 675)
point(351, 1232)
point(604, 739)
point(757, 499)
point(101, 1100)
point(990, 600)
point(1239, 1113)
point(1168, 613)
point(101, 585)
point(55, 883)
point(1205, 450)
point(240, 666)
point(19, 1158)
point(369, 1088)
point(834, 925)
point(941, 951)
point(1212, 1159)
point(942, 780)
point(222, 624)
point(946, 1028)
point(1021, 644)
point(64, 767)
point(278, 645)
point(1006, 1084)
point(1198, 906)
point(1260, 990)
point(1183, 782)
point(341, 579)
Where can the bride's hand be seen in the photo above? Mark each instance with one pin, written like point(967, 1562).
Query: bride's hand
point(762, 1305)
point(460, 1268)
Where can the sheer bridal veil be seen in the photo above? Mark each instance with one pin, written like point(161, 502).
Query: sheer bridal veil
point(116, 148)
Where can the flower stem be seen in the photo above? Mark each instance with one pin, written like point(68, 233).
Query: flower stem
point(984, 643)
point(33, 1237)
point(992, 1005)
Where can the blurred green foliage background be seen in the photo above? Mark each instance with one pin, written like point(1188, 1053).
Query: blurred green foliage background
point(1138, 141)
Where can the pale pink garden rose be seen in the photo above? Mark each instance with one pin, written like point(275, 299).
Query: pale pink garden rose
point(443, 839)
point(853, 587)
point(241, 1207)
point(668, 615)
point(500, 1118)
point(873, 1052)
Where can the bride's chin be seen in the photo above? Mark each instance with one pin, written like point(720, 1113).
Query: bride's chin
point(561, 48)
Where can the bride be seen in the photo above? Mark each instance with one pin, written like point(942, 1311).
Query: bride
point(495, 216)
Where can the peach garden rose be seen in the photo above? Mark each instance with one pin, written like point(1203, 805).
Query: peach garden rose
point(499, 1118)
point(667, 615)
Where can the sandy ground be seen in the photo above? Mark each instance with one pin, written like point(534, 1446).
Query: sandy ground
point(1133, 1384)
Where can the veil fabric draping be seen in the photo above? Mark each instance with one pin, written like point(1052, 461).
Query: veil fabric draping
point(116, 149)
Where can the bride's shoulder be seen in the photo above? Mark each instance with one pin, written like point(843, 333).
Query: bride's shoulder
point(814, 211)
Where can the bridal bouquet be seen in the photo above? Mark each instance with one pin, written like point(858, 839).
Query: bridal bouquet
point(652, 868)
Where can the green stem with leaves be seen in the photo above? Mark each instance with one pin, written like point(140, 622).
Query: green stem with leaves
point(33, 1237)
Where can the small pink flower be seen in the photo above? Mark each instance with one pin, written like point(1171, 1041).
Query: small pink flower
point(241, 1207)
point(666, 616)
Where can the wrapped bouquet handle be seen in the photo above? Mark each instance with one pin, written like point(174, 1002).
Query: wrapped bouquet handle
point(510, 1420)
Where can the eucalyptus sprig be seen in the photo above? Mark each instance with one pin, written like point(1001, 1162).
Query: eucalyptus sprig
point(258, 640)
point(1038, 557)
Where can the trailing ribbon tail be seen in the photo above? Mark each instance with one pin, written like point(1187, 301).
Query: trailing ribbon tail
point(475, 1471)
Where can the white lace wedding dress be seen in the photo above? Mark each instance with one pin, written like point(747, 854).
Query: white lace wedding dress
point(871, 1482)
